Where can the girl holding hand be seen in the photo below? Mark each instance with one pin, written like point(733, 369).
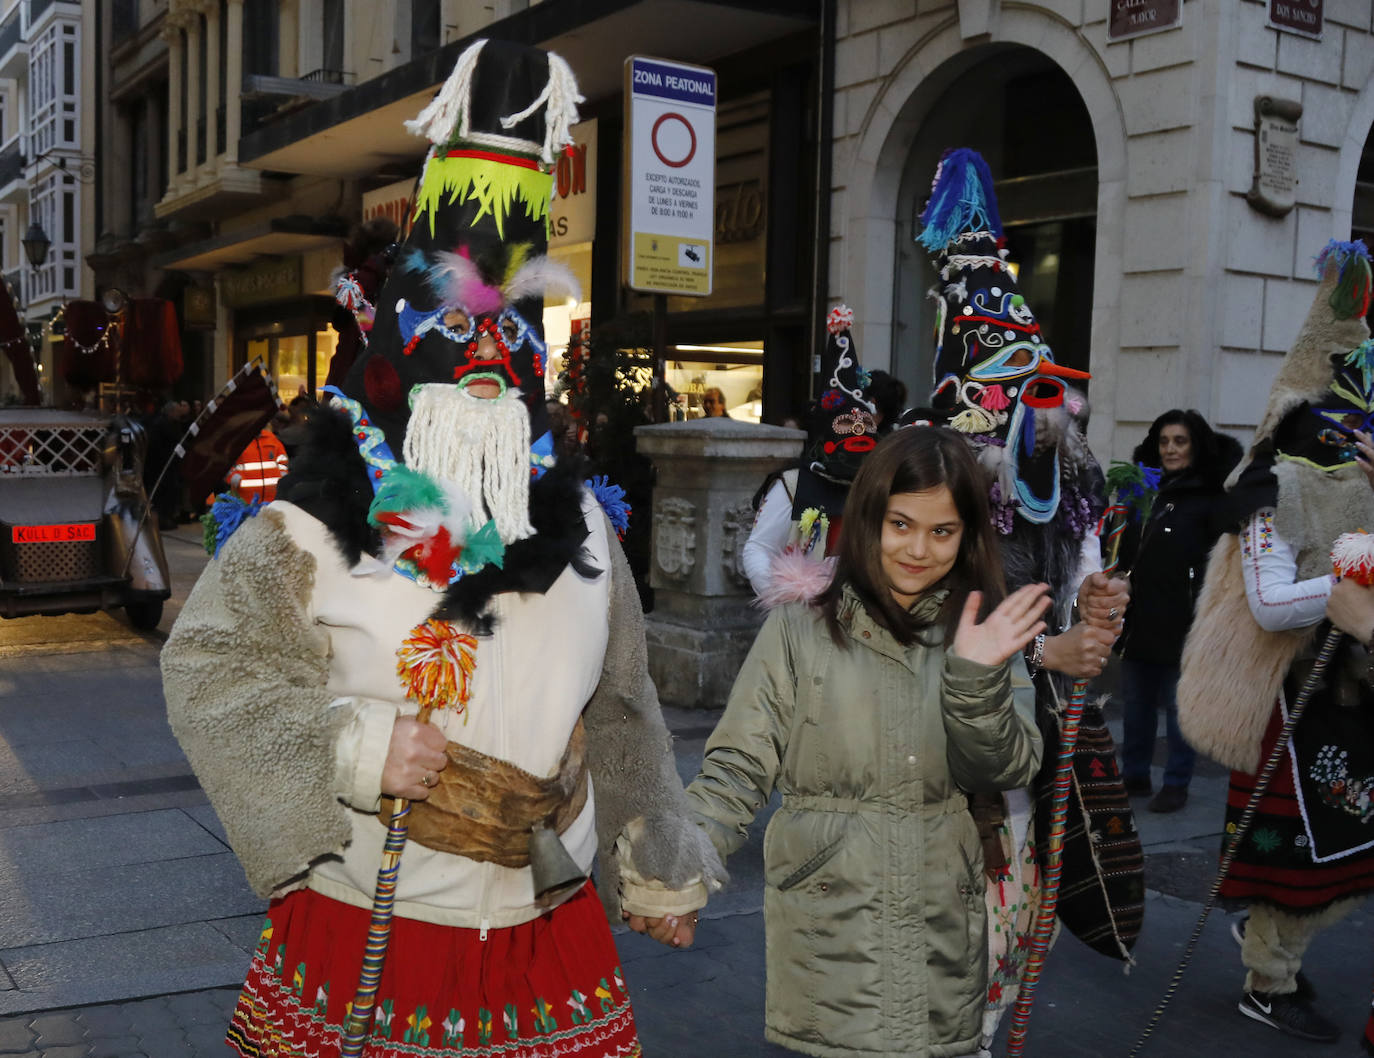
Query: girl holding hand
point(875, 711)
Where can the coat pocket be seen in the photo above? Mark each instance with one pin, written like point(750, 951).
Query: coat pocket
point(811, 866)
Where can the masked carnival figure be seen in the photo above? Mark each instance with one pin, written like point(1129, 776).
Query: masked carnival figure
point(1308, 856)
point(428, 556)
point(789, 555)
point(996, 381)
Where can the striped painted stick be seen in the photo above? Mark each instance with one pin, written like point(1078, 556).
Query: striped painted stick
point(358, 1024)
point(1112, 524)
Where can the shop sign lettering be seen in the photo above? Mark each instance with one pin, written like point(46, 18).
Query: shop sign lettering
point(572, 218)
point(1131, 18)
point(268, 281)
point(739, 211)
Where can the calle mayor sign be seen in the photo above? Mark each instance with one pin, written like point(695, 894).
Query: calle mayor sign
point(1134, 18)
point(671, 175)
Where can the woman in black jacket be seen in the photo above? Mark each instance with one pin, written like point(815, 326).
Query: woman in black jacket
point(1170, 559)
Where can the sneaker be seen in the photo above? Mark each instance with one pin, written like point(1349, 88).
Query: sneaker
point(1140, 786)
point(1305, 991)
point(1169, 799)
point(1289, 1014)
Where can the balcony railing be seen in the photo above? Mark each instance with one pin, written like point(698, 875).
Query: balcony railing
point(324, 76)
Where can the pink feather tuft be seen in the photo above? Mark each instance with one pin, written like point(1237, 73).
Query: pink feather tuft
point(543, 276)
point(455, 280)
point(795, 577)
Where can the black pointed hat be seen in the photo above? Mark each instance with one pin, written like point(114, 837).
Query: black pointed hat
point(464, 299)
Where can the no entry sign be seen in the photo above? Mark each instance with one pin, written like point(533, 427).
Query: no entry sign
point(672, 175)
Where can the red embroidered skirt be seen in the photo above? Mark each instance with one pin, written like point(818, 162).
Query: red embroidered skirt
point(548, 987)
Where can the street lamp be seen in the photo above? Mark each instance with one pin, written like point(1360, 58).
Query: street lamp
point(36, 244)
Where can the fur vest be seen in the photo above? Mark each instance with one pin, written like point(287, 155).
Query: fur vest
point(1232, 668)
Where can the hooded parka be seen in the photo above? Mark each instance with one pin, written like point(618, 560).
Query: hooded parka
point(873, 870)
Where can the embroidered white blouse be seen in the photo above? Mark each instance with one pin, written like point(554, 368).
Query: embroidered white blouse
point(1278, 600)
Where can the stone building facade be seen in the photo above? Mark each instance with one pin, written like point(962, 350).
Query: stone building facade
point(1124, 167)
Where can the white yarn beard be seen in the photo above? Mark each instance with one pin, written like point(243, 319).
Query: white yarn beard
point(481, 446)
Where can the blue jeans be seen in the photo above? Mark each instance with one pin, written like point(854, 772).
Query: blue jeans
point(1145, 688)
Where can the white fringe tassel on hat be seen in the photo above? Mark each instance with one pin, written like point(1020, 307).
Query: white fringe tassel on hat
point(451, 109)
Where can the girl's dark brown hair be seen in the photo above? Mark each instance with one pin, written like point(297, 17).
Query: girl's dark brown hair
point(914, 459)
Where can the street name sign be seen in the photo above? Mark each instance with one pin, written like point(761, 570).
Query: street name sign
point(671, 175)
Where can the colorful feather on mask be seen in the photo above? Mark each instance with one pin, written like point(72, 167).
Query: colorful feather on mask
point(456, 280)
point(542, 276)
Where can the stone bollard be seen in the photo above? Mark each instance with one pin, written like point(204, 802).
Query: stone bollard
point(704, 619)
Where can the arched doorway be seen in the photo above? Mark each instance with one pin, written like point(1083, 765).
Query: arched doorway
point(1025, 116)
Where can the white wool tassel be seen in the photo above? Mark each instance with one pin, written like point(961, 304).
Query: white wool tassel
point(449, 109)
point(479, 446)
point(560, 93)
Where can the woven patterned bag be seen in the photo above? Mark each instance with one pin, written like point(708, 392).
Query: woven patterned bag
point(1102, 890)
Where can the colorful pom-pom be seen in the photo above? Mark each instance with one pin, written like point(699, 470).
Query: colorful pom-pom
point(436, 663)
point(1352, 557)
point(225, 515)
point(612, 500)
point(839, 320)
point(348, 292)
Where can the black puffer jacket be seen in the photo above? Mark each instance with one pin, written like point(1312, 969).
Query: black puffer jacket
point(1167, 566)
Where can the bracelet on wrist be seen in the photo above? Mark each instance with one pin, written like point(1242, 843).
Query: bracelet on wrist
point(1035, 655)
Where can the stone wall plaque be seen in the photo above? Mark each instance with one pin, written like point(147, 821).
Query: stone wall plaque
point(1131, 18)
point(675, 538)
point(1275, 185)
point(736, 525)
point(1303, 17)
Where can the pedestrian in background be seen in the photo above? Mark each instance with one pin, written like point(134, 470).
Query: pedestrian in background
point(1167, 556)
point(713, 404)
point(876, 711)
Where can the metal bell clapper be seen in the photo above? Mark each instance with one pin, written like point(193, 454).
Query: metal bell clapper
point(553, 869)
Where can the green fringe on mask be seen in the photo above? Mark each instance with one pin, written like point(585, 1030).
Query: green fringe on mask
point(495, 186)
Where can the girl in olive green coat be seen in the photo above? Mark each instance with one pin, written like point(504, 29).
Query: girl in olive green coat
point(875, 712)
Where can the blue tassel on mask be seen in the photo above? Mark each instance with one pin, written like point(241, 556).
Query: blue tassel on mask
point(962, 200)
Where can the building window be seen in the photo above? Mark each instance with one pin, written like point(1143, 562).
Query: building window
point(55, 204)
point(54, 90)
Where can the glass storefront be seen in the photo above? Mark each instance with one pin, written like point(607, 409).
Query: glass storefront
point(696, 372)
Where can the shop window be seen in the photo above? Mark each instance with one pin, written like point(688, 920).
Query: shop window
point(288, 360)
point(699, 377)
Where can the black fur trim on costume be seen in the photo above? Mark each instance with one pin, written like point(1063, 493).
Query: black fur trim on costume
point(327, 478)
point(532, 564)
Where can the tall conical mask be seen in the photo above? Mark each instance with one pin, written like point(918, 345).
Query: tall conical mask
point(463, 304)
point(994, 374)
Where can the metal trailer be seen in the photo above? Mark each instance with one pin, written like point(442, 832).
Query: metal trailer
point(75, 531)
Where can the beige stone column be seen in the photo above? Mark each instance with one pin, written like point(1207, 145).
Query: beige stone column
point(704, 619)
point(193, 75)
point(212, 99)
point(171, 32)
point(288, 40)
point(233, 80)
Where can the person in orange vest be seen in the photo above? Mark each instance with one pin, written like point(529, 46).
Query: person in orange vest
point(259, 467)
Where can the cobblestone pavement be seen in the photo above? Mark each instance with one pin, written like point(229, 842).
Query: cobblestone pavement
point(190, 1024)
